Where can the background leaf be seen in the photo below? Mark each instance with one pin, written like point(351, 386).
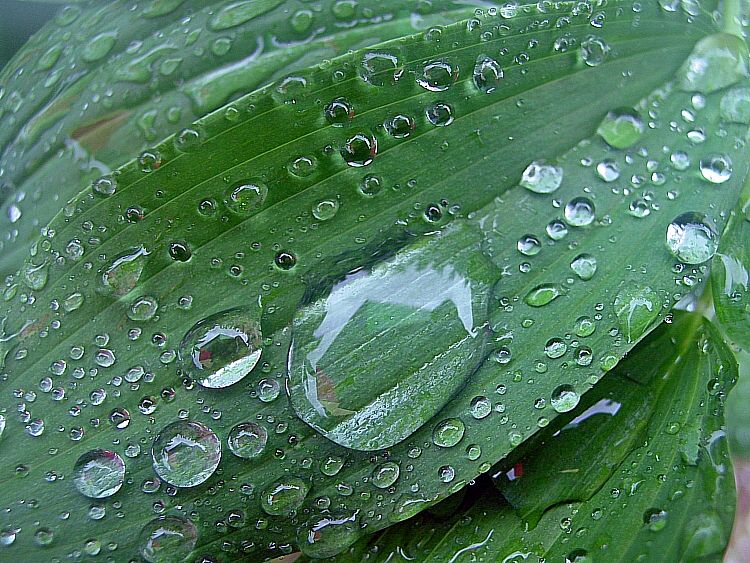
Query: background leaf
point(175, 243)
point(665, 499)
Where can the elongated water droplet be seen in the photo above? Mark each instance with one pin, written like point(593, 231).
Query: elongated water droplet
point(717, 61)
point(283, 498)
point(636, 307)
point(544, 294)
point(221, 349)
point(327, 535)
point(385, 474)
point(125, 271)
point(487, 74)
point(186, 453)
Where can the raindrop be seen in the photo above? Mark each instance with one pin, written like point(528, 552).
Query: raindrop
point(543, 294)
point(221, 349)
point(584, 266)
point(487, 74)
point(439, 114)
point(594, 50)
point(283, 498)
point(579, 212)
point(143, 308)
point(564, 398)
point(246, 197)
point(339, 112)
point(180, 251)
point(717, 61)
point(735, 106)
point(691, 238)
point(285, 260)
point(327, 535)
point(529, 245)
point(608, 170)
point(125, 271)
point(247, 440)
point(385, 474)
point(167, 539)
point(380, 68)
point(99, 473)
point(400, 126)
point(186, 453)
point(556, 229)
point(360, 150)
point(542, 178)
point(448, 433)
point(621, 128)
point(437, 76)
point(325, 209)
point(716, 168)
point(480, 407)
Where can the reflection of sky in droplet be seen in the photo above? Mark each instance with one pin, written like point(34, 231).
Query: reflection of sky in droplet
point(422, 289)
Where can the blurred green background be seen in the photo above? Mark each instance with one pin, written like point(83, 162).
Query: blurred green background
point(19, 20)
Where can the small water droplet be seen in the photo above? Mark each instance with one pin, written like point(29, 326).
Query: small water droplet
point(692, 238)
point(246, 197)
point(283, 498)
point(716, 168)
point(594, 50)
point(385, 474)
point(564, 398)
point(437, 76)
point(439, 114)
point(487, 74)
point(168, 538)
point(542, 178)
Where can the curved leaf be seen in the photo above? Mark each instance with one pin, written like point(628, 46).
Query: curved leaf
point(241, 216)
point(663, 499)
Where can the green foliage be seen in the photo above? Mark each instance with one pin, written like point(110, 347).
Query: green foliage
point(364, 255)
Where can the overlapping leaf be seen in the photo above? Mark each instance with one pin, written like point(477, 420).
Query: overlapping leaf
point(109, 293)
point(668, 495)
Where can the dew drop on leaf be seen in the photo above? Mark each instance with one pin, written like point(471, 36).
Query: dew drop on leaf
point(99, 473)
point(544, 294)
point(439, 114)
point(621, 128)
point(327, 535)
point(636, 307)
point(735, 106)
point(360, 150)
point(380, 68)
point(564, 398)
point(716, 168)
point(579, 212)
point(542, 178)
point(437, 76)
point(247, 197)
point(692, 238)
point(186, 453)
point(125, 271)
point(584, 266)
point(385, 474)
point(247, 440)
point(448, 433)
point(167, 539)
point(284, 497)
point(221, 349)
point(593, 50)
point(717, 61)
point(487, 74)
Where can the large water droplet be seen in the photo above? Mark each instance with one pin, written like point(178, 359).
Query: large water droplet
point(448, 433)
point(246, 197)
point(717, 61)
point(584, 265)
point(186, 453)
point(487, 74)
point(99, 473)
point(716, 168)
point(542, 178)
point(283, 498)
point(579, 212)
point(735, 106)
point(621, 128)
point(360, 149)
point(221, 349)
point(437, 76)
point(247, 440)
point(692, 238)
point(385, 474)
point(380, 68)
point(327, 535)
point(168, 539)
point(594, 50)
point(543, 294)
point(344, 379)
point(564, 398)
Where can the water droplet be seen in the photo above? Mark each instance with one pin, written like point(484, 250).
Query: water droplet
point(180, 251)
point(268, 390)
point(448, 433)
point(579, 212)
point(544, 294)
point(735, 106)
point(44, 537)
point(480, 407)
point(98, 46)
point(370, 186)
point(35, 276)
point(584, 327)
point(125, 271)
point(247, 440)
point(385, 474)
point(584, 266)
point(221, 349)
point(327, 535)
point(655, 519)
point(636, 307)
point(246, 198)
point(487, 74)
point(594, 50)
point(439, 114)
point(237, 13)
point(555, 348)
point(608, 170)
point(446, 474)
point(104, 186)
point(639, 208)
point(360, 150)
point(556, 229)
point(380, 68)
point(149, 161)
point(285, 260)
point(339, 112)
point(400, 126)
point(542, 178)
point(717, 61)
point(529, 245)
point(692, 238)
point(564, 398)
point(99, 473)
point(437, 76)
point(716, 168)
point(119, 418)
point(143, 308)
point(621, 128)
point(325, 209)
point(167, 539)
point(186, 453)
point(283, 498)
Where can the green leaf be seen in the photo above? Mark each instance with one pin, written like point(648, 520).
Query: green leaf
point(657, 502)
point(729, 276)
point(100, 83)
point(274, 199)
